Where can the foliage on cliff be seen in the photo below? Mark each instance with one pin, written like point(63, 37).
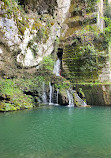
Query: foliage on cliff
point(85, 50)
point(12, 97)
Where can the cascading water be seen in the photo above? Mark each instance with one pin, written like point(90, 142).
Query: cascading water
point(57, 97)
point(70, 98)
point(53, 95)
point(44, 96)
point(50, 94)
point(79, 100)
point(57, 66)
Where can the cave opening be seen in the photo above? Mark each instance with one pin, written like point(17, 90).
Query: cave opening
point(21, 2)
point(60, 53)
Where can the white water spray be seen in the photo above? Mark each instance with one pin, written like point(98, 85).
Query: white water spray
point(50, 94)
point(57, 97)
point(57, 66)
point(80, 101)
point(71, 100)
point(44, 97)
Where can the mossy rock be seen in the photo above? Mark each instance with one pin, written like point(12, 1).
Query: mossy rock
point(13, 97)
point(78, 101)
point(5, 107)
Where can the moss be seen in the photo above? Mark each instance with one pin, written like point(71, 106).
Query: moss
point(13, 97)
point(79, 7)
point(48, 63)
point(85, 54)
point(20, 27)
point(83, 62)
point(37, 25)
point(21, 24)
point(4, 107)
point(14, 10)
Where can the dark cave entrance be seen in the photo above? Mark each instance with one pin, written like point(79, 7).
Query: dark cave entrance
point(21, 2)
point(60, 53)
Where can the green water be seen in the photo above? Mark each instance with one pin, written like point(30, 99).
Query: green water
point(56, 132)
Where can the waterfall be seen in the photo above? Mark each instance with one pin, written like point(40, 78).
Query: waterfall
point(53, 95)
point(79, 100)
point(44, 97)
point(57, 66)
point(57, 97)
point(50, 94)
point(71, 100)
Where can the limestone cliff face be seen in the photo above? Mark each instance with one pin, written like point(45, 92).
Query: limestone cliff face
point(29, 33)
point(86, 55)
point(30, 30)
point(40, 6)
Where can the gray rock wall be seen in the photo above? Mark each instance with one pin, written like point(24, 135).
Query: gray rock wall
point(97, 94)
point(26, 35)
point(40, 6)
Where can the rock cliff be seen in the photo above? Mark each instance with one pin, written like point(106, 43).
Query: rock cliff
point(28, 31)
point(72, 31)
point(86, 54)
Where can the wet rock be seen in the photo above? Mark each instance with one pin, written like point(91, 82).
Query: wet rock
point(78, 101)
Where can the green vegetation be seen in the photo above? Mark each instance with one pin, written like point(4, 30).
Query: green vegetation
point(84, 6)
point(12, 97)
point(107, 19)
point(13, 9)
point(22, 93)
point(85, 54)
point(86, 48)
point(48, 64)
point(108, 29)
point(84, 61)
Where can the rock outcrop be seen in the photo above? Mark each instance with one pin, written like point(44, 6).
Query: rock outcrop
point(86, 55)
point(30, 32)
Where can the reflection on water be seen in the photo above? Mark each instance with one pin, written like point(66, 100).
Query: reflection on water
point(57, 132)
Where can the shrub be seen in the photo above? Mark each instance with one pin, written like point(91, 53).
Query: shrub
point(48, 63)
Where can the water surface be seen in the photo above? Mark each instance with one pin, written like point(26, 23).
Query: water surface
point(56, 132)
